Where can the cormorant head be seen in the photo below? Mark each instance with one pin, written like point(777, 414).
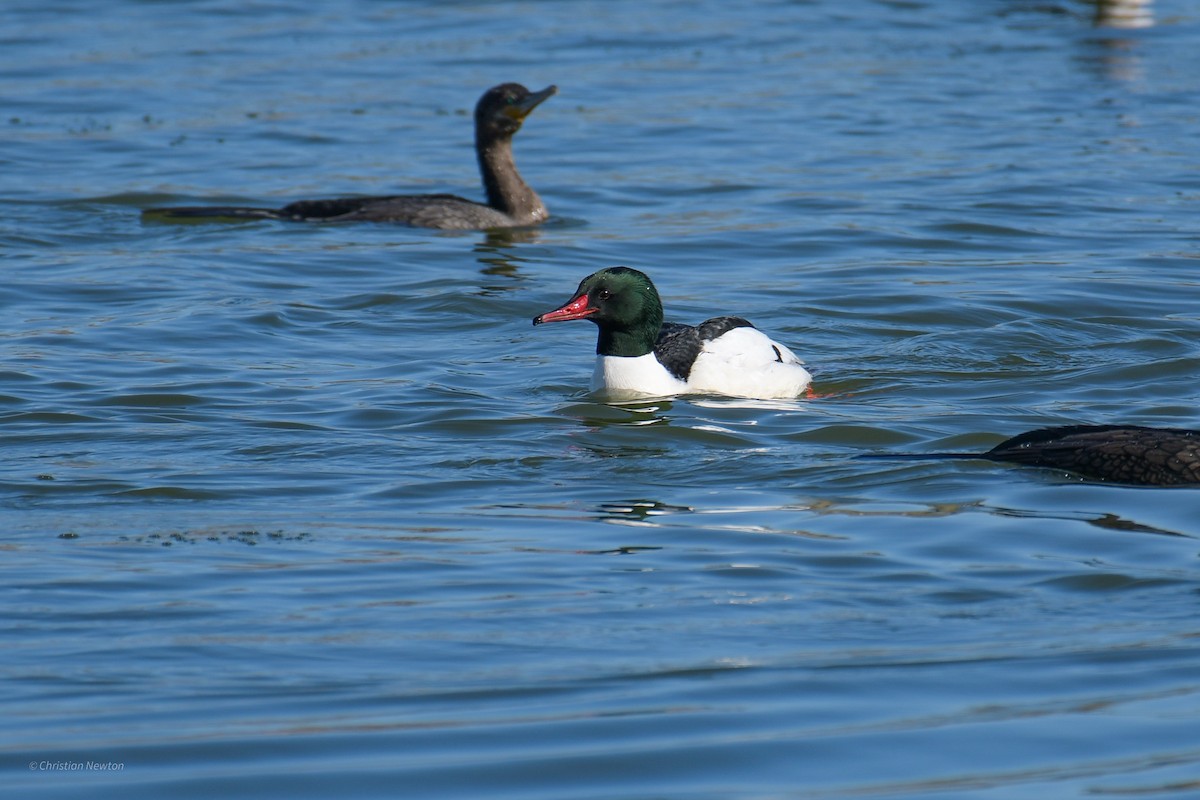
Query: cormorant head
point(502, 109)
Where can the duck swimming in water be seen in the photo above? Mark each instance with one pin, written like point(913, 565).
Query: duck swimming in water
point(1129, 454)
point(510, 201)
point(637, 354)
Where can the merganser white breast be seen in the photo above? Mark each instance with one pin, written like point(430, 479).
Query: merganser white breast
point(639, 355)
point(638, 376)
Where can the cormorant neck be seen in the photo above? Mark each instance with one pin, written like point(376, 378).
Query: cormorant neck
point(506, 191)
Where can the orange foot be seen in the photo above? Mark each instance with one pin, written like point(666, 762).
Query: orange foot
point(810, 394)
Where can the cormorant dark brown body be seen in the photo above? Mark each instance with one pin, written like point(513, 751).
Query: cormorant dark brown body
point(1117, 453)
point(1129, 454)
point(510, 201)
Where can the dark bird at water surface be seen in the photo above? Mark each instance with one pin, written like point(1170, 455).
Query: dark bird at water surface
point(1127, 454)
point(510, 203)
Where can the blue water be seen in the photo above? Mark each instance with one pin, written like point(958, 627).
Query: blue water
point(310, 511)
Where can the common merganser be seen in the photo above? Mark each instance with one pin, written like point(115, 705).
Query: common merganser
point(1129, 454)
point(638, 355)
point(510, 201)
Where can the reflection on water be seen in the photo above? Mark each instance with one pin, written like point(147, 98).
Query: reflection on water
point(1124, 13)
point(653, 513)
point(506, 237)
point(1119, 58)
point(633, 412)
point(638, 511)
